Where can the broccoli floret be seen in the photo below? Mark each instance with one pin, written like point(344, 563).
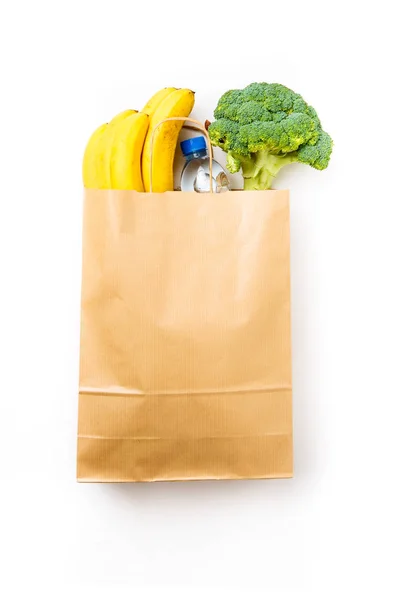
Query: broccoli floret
point(264, 127)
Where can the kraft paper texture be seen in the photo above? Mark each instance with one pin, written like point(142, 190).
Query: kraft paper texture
point(185, 357)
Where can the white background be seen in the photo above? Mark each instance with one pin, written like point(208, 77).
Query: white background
point(332, 531)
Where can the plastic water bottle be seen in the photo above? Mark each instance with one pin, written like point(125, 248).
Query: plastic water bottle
point(196, 172)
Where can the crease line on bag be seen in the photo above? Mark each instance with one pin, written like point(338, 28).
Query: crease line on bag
point(190, 439)
point(89, 391)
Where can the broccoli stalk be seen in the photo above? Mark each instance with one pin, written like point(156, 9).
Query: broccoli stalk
point(265, 127)
point(261, 168)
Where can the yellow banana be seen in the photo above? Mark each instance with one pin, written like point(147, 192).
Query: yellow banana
point(177, 104)
point(126, 153)
point(94, 171)
point(122, 115)
point(90, 173)
point(107, 142)
point(156, 100)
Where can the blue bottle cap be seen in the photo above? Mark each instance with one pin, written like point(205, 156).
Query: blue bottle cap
point(195, 144)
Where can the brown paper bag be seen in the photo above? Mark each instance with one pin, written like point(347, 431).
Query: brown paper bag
point(185, 366)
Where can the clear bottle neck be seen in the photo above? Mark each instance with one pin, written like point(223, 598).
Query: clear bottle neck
point(197, 154)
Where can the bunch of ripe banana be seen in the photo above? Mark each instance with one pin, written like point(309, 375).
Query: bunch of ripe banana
point(117, 155)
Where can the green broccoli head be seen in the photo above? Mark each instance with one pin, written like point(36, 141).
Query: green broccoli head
point(265, 126)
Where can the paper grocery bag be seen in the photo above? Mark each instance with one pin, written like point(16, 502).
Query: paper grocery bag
point(185, 368)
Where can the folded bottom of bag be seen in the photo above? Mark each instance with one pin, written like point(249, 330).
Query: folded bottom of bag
point(128, 438)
